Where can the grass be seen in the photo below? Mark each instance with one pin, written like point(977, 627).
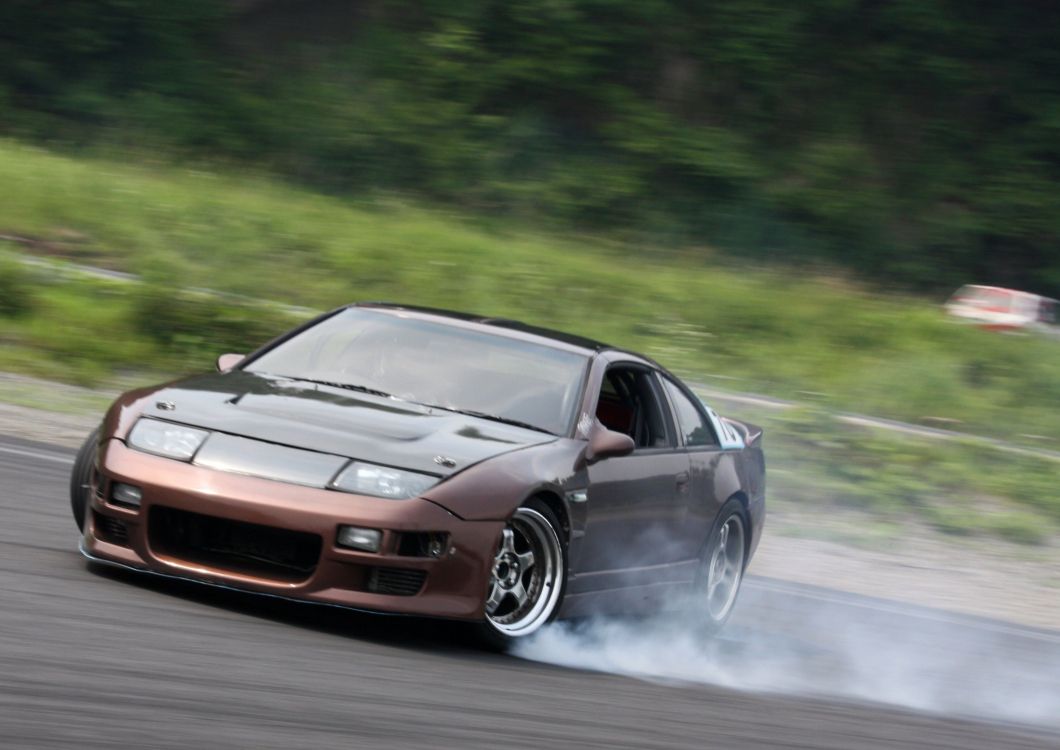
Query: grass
point(816, 338)
point(957, 488)
point(93, 331)
point(755, 330)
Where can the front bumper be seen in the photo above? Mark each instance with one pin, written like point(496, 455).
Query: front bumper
point(454, 584)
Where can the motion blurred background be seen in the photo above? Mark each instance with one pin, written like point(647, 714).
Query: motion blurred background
point(771, 198)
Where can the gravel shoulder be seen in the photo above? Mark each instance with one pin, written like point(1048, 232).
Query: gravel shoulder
point(973, 576)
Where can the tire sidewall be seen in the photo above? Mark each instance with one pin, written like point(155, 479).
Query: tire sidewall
point(491, 638)
point(81, 477)
point(732, 507)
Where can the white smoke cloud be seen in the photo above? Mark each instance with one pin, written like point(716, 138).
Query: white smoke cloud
point(779, 643)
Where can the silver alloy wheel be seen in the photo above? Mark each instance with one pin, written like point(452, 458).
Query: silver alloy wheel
point(725, 569)
point(527, 575)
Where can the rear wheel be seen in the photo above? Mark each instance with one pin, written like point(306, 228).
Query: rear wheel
point(81, 478)
point(528, 577)
point(722, 567)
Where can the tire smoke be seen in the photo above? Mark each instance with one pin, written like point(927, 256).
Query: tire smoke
point(791, 642)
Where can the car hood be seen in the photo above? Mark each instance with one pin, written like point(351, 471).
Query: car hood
point(337, 421)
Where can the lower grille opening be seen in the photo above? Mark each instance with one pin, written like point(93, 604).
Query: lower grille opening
point(110, 530)
point(247, 548)
point(396, 581)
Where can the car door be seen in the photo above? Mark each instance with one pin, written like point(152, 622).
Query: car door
point(636, 503)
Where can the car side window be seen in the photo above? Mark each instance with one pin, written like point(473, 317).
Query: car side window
point(691, 421)
point(628, 404)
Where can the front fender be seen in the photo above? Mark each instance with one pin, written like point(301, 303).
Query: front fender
point(124, 412)
point(493, 489)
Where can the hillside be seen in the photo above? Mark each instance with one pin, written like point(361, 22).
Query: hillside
point(910, 143)
point(817, 340)
point(833, 346)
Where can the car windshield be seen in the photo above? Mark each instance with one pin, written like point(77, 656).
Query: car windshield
point(435, 363)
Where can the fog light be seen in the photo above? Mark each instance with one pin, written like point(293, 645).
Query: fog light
point(436, 547)
point(125, 494)
point(355, 538)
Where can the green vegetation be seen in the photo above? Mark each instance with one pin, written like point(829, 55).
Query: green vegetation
point(648, 144)
point(820, 340)
point(908, 141)
point(814, 340)
point(16, 293)
point(90, 332)
point(961, 489)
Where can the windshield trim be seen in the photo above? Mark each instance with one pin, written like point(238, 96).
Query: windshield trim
point(580, 398)
point(467, 324)
point(283, 338)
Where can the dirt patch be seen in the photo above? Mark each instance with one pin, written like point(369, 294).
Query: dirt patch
point(980, 577)
point(45, 427)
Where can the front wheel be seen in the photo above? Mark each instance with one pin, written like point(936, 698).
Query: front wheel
point(527, 578)
point(81, 478)
point(722, 567)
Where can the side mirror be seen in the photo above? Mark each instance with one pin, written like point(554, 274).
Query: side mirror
point(605, 443)
point(227, 361)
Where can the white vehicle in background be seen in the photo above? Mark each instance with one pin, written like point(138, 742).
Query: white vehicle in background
point(998, 309)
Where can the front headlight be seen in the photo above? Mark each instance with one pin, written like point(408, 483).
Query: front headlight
point(382, 481)
point(166, 439)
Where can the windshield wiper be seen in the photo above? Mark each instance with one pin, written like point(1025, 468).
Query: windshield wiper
point(384, 394)
point(346, 386)
point(491, 417)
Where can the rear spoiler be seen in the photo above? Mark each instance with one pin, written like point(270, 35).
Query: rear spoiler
point(749, 433)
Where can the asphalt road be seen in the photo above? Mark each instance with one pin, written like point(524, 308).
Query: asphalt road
point(93, 658)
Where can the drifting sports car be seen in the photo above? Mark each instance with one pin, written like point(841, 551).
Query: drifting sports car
point(417, 461)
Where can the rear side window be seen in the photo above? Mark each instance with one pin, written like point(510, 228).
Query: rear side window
point(691, 422)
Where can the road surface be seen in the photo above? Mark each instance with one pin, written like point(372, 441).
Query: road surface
point(94, 658)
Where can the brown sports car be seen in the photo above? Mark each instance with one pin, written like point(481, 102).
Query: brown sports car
point(416, 461)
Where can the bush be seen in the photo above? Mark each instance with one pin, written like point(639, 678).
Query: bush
point(193, 324)
point(16, 289)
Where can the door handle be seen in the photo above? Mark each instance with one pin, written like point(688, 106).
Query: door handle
point(682, 481)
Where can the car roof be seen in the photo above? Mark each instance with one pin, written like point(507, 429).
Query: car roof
point(513, 328)
point(1002, 289)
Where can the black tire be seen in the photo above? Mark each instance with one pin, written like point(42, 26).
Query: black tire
point(712, 618)
point(81, 478)
point(487, 634)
